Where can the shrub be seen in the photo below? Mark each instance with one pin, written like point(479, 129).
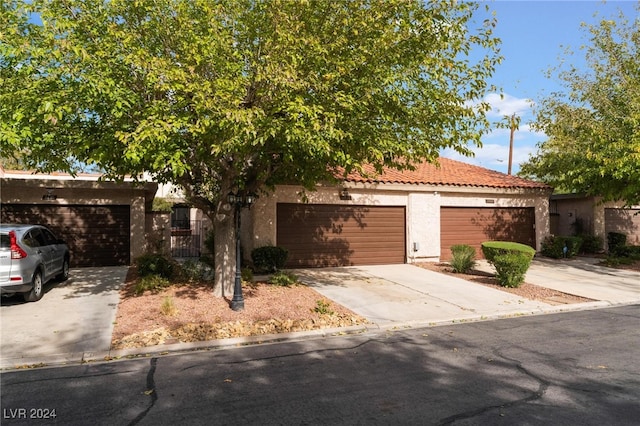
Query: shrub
point(323, 308)
point(591, 244)
point(154, 264)
point(463, 258)
point(616, 242)
point(194, 271)
point(269, 258)
point(247, 274)
point(491, 249)
point(284, 279)
point(554, 246)
point(151, 283)
point(511, 268)
point(168, 306)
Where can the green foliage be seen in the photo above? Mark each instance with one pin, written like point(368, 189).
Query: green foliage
point(269, 258)
point(591, 244)
point(155, 264)
point(491, 249)
point(290, 90)
point(511, 268)
point(196, 271)
point(554, 246)
point(463, 258)
point(161, 205)
point(323, 307)
point(592, 126)
point(151, 283)
point(283, 279)
point(247, 274)
point(616, 242)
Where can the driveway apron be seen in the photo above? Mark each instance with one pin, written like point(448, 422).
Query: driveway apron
point(391, 295)
point(72, 320)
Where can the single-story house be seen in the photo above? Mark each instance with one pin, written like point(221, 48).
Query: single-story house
point(577, 213)
point(399, 217)
point(104, 223)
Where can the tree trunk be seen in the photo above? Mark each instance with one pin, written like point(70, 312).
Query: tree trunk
point(224, 256)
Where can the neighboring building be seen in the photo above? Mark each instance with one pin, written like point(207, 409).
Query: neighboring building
point(577, 213)
point(400, 217)
point(104, 223)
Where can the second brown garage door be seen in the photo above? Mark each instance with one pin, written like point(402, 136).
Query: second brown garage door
point(319, 235)
point(473, 226)
point(97, 235)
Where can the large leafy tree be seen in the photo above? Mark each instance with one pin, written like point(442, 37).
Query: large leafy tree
point(593, 127)
point(225, 95)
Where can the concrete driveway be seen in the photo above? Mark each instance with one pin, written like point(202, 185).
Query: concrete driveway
point(73, 319)
point(397, 295)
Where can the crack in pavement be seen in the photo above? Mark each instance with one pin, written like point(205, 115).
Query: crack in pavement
point(151, 391)
point(543, 385)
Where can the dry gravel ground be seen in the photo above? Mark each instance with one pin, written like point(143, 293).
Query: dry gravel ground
point(198, 316)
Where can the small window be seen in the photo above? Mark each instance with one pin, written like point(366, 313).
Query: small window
point(31, 238)
point(180, 217)
point(49, 238)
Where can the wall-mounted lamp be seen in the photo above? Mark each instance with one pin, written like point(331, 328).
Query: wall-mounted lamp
point(49, 196)
point(344, 194)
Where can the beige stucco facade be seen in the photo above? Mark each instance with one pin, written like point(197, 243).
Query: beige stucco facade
point(422, 208)
point(25, 188)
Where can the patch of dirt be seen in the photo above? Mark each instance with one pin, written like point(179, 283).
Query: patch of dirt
point(526, 290)
point(198, 315)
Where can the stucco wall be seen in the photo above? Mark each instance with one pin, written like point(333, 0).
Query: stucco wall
point(422, 203)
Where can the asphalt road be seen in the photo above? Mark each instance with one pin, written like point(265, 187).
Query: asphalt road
point(578, 368)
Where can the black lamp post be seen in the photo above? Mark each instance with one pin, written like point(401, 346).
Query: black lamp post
point(237, 201)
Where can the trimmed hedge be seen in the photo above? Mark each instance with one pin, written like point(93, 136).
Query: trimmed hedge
point(554, 246)
point(269, 258)
point(491, 249)
point(616, 242)
point(155, 264)
point(591, 244)
point(511, 268)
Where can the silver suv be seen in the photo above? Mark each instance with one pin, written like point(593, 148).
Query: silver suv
point(30, 256)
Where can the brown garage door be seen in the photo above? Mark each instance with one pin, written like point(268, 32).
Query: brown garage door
point(97, 235)
point(625, 221)
point(473, 226)
point(330, 235)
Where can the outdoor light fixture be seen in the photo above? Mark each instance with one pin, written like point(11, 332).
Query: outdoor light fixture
point(344, 194)
point(49, 196)
point(239, 200)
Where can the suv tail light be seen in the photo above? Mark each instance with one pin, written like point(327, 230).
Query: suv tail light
point(16, 250)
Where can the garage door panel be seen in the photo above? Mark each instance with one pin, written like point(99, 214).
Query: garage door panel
point(473, 226)
point(97, 235)
point(331, 235)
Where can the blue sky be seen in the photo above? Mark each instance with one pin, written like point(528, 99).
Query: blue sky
point(534, 36)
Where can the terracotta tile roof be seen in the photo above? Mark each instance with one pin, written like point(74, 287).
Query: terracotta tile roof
point(449, 172)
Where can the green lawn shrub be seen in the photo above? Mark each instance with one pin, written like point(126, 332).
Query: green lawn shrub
point(195, 271)
point(511, 268)
point(283, 279)
point(463, 258)
point(151, 282)
point(591, 244)
point(155, 264)
point(491, 249)
point(554, 246)
point(269, 258)
point(616, 242)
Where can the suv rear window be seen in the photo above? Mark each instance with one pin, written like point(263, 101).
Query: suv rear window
point(5, 242)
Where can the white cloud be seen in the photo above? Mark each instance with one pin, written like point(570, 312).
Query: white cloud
point(507, 105)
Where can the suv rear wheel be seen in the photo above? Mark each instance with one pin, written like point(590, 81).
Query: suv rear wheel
point(36, 292)
point(64, 274)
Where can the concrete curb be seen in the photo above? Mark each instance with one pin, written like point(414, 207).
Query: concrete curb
point(28, 363)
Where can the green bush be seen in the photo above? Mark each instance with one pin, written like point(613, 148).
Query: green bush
point(463, 258)
point(284, 279)
point(194, 271)
point(591, 244)
point(491, 249)
point(247, 274)
point(151, 283)
point(155, 264)
point(554, 246)
point(511, 268)
point(269, 258)
point(616, 242)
